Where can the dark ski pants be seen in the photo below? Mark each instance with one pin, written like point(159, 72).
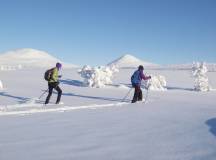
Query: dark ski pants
point(138, 96)
point(54, 85)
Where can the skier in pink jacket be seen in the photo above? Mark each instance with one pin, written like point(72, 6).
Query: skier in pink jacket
point(136, 80)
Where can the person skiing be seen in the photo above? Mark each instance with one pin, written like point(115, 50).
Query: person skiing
point(136, 80)
point(53, 83)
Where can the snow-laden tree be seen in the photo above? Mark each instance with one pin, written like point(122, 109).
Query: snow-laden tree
point(199, 71)
point(156, 83)
point(97, 76)
point(1, 85)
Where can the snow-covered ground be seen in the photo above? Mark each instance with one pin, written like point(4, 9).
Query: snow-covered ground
point(93, 123)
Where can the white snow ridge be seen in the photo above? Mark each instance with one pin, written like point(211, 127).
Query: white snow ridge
point(129, 61)
point(28, 57)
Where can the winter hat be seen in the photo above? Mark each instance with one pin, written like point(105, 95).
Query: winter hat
point(58, 65)
point(141, 67)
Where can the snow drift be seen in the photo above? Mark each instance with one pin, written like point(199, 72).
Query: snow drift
point(28, 57)
point(97, 76)
point(156, 83)
point(129, 61)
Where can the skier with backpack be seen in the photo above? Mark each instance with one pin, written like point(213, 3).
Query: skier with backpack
point(52, 77)
point(136, 80)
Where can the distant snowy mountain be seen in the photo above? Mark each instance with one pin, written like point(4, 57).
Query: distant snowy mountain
point(129, 61)
point(28, 57)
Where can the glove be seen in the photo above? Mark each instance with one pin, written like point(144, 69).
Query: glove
point(59, 76)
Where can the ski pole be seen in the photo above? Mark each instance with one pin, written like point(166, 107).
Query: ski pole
point(43, 94)
point(146, 97)
point(126, 95)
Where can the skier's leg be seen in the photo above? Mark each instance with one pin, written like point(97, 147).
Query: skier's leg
point(136, 93)
point(49, 94)
point(58, 89)
point(140, 96)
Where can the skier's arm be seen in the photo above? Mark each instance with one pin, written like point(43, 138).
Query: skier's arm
point(144, 77)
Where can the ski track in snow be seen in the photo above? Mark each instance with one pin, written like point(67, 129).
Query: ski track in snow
point(40, 108)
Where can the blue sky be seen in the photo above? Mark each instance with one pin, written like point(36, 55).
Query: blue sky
point(96, 32)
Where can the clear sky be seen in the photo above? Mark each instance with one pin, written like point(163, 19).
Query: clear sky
point(96, 32)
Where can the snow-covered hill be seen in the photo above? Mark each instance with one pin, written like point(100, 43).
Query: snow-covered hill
point(28, 57)
point(129, 61)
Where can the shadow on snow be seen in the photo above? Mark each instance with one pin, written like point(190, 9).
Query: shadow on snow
point(70, 82)
point(95, 97)
point(20, 99)
point(179, 88)
point(212, 124)
point(92, 97)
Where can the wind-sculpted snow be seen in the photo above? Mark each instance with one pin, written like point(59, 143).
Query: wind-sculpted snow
point(156, 83)
point(97, 76)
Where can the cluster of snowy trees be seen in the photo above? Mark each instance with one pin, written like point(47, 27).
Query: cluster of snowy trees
point(97, 76)
point(102, 76)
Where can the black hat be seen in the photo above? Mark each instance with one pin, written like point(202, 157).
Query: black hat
point(141, 67)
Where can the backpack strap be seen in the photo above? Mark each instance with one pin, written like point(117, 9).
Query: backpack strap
point(51, 72)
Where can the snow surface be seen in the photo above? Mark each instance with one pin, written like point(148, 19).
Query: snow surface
point(93, 123)
point(27, 57)
point(129, 61)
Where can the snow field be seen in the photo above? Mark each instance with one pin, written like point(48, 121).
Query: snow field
point(93, 123)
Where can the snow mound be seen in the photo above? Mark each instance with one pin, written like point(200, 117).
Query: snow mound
point(129, 61)
point(28, 57)
point(1, 85)
point(97, 76)
point(156, 83)
point(199, 71)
